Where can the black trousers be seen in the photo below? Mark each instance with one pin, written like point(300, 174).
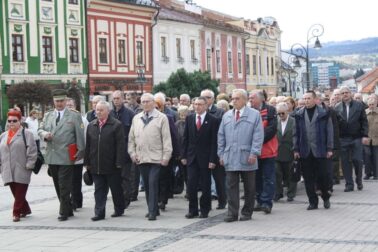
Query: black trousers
point(166, 182)
point(219, 175)
point(77, 178)
point(150, 175)
point(315, 174)
point(102, 184)
point(199, 175)
point(62, 178)
point(233, 197)
point(135, 179)
point(126, 183)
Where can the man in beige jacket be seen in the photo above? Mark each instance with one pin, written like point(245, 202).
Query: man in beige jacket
point(150, 147)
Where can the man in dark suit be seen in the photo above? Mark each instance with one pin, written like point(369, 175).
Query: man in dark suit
point(353, 127)
point(200, 155)
point(219, 174)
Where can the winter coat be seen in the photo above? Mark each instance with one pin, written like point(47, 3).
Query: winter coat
point(17, 161)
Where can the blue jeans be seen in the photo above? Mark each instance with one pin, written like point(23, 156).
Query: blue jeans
point(265, 181)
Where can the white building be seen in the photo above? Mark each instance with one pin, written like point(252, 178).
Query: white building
point(176, 41)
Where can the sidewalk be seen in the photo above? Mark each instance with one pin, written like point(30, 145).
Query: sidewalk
point(350, 225)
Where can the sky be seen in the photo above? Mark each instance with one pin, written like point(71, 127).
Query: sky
point(342, 20)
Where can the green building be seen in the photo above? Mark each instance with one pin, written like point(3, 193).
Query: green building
point(42, 41)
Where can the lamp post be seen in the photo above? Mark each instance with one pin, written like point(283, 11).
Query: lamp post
point(301, 51)
point(141, 79)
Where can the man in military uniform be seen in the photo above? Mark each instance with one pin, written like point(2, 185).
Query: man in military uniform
point(60, 128)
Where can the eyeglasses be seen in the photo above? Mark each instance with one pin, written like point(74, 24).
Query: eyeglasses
point(281, 113)
point(12, 121)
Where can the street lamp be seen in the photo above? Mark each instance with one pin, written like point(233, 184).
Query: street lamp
point(300, 51)
point(289, 71)
point(141, 79)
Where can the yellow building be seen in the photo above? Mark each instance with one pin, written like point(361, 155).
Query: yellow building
point(263, 50)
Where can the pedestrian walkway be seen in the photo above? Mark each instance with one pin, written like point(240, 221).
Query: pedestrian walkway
point(350, 225)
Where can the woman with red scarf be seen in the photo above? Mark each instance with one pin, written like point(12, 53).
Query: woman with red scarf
point(17, 160)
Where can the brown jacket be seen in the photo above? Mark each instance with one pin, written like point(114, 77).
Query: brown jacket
point(151, 143)
point(372, 117)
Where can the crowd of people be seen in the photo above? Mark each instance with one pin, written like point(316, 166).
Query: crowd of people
point(211, 144)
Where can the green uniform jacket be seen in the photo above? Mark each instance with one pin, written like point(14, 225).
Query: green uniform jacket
point(69, 130)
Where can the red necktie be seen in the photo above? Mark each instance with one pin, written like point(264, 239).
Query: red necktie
point(198, 122)
point(237, 115)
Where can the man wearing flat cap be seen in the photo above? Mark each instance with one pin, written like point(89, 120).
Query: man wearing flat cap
point(61, 128)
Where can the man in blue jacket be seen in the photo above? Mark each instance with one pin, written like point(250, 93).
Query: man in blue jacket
point(313, 144)
point(240, 138)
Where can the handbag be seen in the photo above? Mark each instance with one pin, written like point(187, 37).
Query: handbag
point(40, 159)
point(296, 171)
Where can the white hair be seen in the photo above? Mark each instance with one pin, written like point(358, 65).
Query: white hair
point(185, 96)
point(260, 94)
point(105, 104)
point(282, 106)
point(345, 88)
point(149, 96)
point(209, 91)
point(242, 92)
point(98, 98)
point(160, 96)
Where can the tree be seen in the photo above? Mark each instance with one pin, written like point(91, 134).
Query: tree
point(358, 73)
point(27, 93)
point(182, 82)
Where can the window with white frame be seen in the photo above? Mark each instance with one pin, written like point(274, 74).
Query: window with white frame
point(178, 47)
point(272, 66)
point(103, 50)
point(17, 48)
point(239, 62)
point(121, 51)
point(74, 50)
point(193, 49)
point(163, 46)
point(267, 65)
point(47, 53)
point(229, 61)
point(139, 51)
point(254, 64)
point(208, 59)
point(247, 64)
point(218, 60)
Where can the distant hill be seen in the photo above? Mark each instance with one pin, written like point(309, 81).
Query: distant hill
point(349, 47)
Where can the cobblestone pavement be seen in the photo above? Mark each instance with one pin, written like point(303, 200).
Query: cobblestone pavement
point(350, 225)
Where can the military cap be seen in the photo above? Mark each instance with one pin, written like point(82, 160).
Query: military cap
point(59, 94)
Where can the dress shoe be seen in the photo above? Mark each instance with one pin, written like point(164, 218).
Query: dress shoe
point(161, 206)
point(203, 215)
point(134, 199)
point(245, 218)
point(213, 197)
point(257, 208)
point(242, 197)
point(366, 177)
point(23, 215)
point(312, 207)
point(97, 218)
point(277, 197)
point(16, 218)
point(152, 217)
point(327, 204)
point(191, 215)
point(116, 215)
point(230, 218)
point(127, 203)
point(360, 187)
point(141, 189)
point(266, 209)
point(348, 189)
point(62, 218)
point(290, 199)
point(147, 214)
point(221, 207)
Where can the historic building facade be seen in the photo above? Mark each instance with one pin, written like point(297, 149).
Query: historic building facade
point(120, 45)
point(223, 51)
point(176, 43)
point(42, 40)
point(263, 54)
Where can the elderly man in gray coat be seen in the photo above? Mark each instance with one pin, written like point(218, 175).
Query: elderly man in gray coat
point(240, 138)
